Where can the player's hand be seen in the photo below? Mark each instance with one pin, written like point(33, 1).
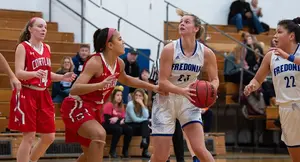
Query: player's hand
point(39, 74)
point(69, 77)
point(108, 80)
point(15, 84)
point(113, 120)
point(188, 92)
point(140, 101)
point(122, 122)
point(249, 89)
point(279, 52)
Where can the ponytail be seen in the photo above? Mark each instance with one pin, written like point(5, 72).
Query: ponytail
point(25, 34)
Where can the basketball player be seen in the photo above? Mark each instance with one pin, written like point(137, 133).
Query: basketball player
point(15, 83)
point(180, 64)
point(281, 62)
point(81, 110)
point(32, 110)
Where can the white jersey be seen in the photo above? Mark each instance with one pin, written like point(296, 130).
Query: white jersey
point(286, 78)
point(186, 69)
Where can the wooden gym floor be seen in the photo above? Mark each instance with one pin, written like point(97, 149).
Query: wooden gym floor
point(230, 157)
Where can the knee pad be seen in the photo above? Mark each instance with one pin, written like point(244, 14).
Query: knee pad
point(99, 141)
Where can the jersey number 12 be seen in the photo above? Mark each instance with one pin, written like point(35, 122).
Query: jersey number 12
point(290, 81)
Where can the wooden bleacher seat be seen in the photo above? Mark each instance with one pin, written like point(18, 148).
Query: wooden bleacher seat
point(3, 124)
point(19, 14)
point(272, 113)
point(51, 35)
point(64, 47)
point(231, 89)
point(19, 24)
point(55, 56)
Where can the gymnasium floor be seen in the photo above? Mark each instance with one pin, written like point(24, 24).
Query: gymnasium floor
point(230, 157)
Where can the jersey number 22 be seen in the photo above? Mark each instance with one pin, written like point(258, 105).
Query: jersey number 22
point(290, 81)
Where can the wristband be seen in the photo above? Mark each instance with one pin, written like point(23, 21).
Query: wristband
point(291, 58)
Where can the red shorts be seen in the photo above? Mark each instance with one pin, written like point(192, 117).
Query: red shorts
point(32, 111)
point(74, 113)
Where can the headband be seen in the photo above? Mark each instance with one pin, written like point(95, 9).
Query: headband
point(109, 35)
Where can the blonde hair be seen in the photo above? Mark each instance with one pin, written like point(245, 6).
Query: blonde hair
point(62, 61)
point(197, 21)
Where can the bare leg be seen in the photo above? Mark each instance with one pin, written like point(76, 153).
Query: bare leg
point(294, 153)
point(161, 148)
point(94, 131)
point(83, 157)
point(41, 146)
point(195, 134)
point(25, 147)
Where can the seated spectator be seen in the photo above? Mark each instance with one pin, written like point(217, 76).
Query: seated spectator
point(113, 121)
point(137, 116)
point(80, 58)
point(61, 89)
point(258, 13)
point(240, 14)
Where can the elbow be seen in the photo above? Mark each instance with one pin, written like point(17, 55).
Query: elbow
point(162, 85)
point(73, 90)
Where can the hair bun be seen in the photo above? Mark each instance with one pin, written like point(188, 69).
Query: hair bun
point(296, 20)
point(179, 12)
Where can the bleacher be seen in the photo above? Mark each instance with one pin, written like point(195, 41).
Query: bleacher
point(62, 44)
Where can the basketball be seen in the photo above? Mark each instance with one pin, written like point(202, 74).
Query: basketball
point(206, 94)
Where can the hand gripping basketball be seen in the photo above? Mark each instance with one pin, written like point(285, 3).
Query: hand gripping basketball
point(206, 94)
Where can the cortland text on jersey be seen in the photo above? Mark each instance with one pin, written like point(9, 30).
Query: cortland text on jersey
point(186, 66)
point(286, 67)
point(112, 84)
point(42, 61)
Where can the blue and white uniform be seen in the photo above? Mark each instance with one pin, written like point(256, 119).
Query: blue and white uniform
point(286, 80)
point(166, 109)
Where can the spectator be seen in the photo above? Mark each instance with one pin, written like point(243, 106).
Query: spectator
point(61, 89)
point(131, 68)
point(113, 121)
point(80, 58)
point(258, 13)
point(241, 14)
point(137, 116)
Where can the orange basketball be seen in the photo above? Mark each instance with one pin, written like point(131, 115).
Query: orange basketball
point(206, 94)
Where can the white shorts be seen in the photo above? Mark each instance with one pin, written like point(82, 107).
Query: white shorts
point(290, 120)
point(165, 111)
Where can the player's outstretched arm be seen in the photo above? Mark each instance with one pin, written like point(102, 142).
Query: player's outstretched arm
point(16, 84)
point(5, 67)
point(260, 75)
point(81, 85)
point(134, 82)
point(210, 65)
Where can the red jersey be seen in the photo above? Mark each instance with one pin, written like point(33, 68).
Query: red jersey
point(35, 61)
point(101, 95)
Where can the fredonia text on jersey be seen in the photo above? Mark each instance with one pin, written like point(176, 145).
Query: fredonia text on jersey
point(286, 67)
point(185, 66)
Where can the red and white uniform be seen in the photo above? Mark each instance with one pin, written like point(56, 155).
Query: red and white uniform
point(32, 109)
point(76, 110)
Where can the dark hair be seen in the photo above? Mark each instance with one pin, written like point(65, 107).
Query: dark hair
point(292, 26)
point(197, 22)
point(99, 39)
point(25, 35)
